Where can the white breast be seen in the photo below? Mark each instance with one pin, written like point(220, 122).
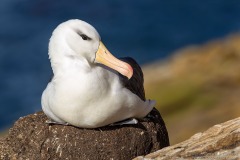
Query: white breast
point(88, 101)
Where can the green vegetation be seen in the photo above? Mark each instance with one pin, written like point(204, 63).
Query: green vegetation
point(174, 93)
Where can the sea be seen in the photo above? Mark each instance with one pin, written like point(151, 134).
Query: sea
point(147, 30)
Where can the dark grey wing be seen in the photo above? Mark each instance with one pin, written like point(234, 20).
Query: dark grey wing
point(135, 84)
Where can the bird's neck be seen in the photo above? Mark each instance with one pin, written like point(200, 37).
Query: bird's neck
point(66, 64)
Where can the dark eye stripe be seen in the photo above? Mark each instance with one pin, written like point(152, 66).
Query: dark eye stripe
point(85, 37)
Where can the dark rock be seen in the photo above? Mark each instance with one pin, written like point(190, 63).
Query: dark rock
point(32, 138)
point(220, 142)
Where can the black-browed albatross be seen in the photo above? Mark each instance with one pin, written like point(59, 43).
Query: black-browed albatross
point(90, 87)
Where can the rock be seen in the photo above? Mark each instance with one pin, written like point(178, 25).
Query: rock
point(220, 142)
point(32, 138)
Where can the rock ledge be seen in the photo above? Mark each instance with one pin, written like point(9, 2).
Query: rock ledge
point(220, 142)
point(31, 138)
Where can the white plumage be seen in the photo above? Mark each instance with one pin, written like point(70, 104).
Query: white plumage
point(84, 92)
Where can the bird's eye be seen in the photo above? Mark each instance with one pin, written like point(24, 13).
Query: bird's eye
point(85, 37)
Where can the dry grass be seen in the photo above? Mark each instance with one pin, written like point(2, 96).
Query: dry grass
point(197, 87)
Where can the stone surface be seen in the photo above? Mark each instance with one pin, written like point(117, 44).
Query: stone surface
point(221, 142)
point(32, 138)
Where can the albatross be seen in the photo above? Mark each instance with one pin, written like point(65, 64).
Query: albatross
point(90, 88)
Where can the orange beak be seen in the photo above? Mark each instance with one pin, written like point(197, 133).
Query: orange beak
point(104, 57)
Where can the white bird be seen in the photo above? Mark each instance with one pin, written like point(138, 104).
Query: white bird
point(86, 90)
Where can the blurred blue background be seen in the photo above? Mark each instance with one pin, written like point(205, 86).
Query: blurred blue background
point(145, 30)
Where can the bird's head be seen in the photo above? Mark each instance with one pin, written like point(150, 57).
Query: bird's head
point(78, 39)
